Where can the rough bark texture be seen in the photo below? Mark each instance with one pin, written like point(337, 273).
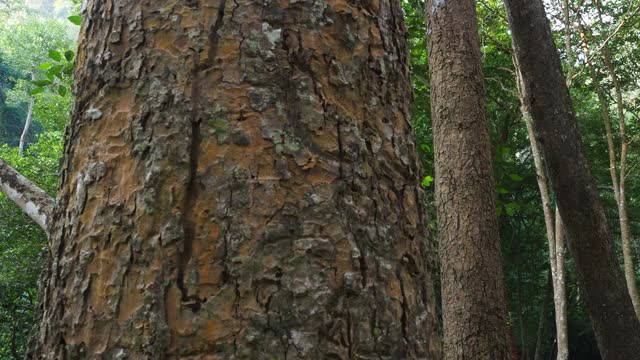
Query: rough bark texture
point(473, 301)
point(608, 303)
point(32, 200)
point(240, 181)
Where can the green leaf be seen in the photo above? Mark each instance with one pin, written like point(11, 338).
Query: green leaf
point(516, 177)
point(76, 19)
point(62, 91)
point(41, 82)
point(68, 69)
point(509, 212)
point(56, 70)
point(427, 181)
point(512, 208)
point(55, 55)
point(501, 190)
point(36, 91)
point(69, 55)
point(45, 66)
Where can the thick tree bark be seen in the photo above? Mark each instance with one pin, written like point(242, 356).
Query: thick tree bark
point(32, 200)
point(473, 301)
point(615, 324)
point(240, 181)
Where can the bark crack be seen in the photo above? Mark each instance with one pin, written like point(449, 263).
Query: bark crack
point(192, 188)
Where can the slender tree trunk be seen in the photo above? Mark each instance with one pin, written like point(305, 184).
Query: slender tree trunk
point(619, 183)
point(548, 293)
point(627, 254)
point(604, 109)
point(615, 324)
point(473, 301)
point(556, 251)
point(27, 126)
point(240, 181)
point(567, 40)
point(560, 294)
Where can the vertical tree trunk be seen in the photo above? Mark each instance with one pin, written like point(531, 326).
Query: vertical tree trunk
point(474, 307)
point(604, 109)
point(556, 250)
point(27, 126)
point(608, 303)
point(629, 270)
point(554, 229)
point(619, 183)
point(567, 40)
point(240, 181)
point(560, 294)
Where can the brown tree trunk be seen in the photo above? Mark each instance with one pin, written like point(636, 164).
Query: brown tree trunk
point(240, 181)
point(474, 307)
point(615, 324)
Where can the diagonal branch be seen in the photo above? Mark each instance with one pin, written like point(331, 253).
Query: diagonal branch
point(29, 197)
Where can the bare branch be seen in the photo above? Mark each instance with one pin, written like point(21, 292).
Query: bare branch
point(36, 203)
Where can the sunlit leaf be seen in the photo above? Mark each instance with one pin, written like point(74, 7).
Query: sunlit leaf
point(76, 19)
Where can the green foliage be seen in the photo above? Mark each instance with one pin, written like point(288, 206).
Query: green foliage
point(23, 49)
point(57, 73)
point(22, 243)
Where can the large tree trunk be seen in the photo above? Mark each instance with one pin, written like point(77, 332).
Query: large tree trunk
point(473, 288)
point(615, 324)
point(240, 181)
